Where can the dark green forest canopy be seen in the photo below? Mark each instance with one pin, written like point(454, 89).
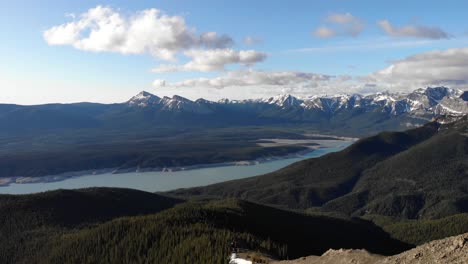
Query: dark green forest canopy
point(199, 231)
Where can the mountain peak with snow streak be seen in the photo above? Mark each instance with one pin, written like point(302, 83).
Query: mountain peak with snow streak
point(143, 99)
point(423, 101)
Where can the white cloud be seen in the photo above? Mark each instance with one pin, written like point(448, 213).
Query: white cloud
point(159, 83)
point(255, 78)
point(264, 83)
point(340, 24)
point(439, 67)
point(412, 31)
point(214, 60)
point(65, 34)
point(247, 84)
point(213, 40)
point(103, 29)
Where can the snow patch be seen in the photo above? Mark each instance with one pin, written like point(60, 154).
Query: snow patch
point(236, 260)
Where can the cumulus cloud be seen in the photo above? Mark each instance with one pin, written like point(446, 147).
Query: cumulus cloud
point(254, 78)
point(435, 68)
point(213, 60)
point(213, 40)
point(254, 83)
point(440, 67)
point(344, 24)
point(412, 31)
point(103, 29)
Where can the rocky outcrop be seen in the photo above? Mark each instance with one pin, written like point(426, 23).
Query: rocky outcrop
point(452, 250)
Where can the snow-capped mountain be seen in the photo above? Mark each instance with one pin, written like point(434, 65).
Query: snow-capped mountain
point(143, 99)
point(282, 100)
point(175, 103)
point(421, 102)
point(434, 101)
point(353, 114)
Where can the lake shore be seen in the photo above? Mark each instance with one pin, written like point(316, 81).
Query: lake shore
point(310, 147)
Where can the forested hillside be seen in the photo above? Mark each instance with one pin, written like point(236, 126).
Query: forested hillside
point(419, 173)
point(191, 232)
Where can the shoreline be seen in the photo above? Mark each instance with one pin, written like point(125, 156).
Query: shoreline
point(7, 181)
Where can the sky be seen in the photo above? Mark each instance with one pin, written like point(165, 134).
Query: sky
point(108, 51)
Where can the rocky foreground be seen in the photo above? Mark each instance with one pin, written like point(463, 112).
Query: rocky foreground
point(452, 250)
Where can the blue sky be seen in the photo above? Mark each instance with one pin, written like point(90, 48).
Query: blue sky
point(285, 40)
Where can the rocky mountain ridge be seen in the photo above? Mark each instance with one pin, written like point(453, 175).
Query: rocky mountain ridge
point(423, 101)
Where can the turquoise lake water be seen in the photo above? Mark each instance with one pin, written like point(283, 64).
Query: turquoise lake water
point(164, 181)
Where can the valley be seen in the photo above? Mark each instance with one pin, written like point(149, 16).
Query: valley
point(157, 179)
point(149, 151)
point(338, 200)
point(390, 187)
point(233, 132)
point(150, 133)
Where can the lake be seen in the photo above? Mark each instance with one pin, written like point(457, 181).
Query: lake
point(164, 181)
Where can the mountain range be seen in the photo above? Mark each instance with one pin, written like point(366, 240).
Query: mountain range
point(359, 115)
point(423, 101)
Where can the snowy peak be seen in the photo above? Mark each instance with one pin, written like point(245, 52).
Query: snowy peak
point(181, 104)
point(383, 97)
point(435, 94)
point(175, 103)
point(438, 93)
point(430, 100)
point(283, 100)
point(438, 100)
point(421, 102)
point(143, 99)
point(181, 99)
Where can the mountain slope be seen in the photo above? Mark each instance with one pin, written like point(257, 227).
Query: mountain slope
point(316, 181)
point(27, 222)
point(201, 233)
point(417, 232)
point(74, 207)
point(428, 180)
point(420, 173)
